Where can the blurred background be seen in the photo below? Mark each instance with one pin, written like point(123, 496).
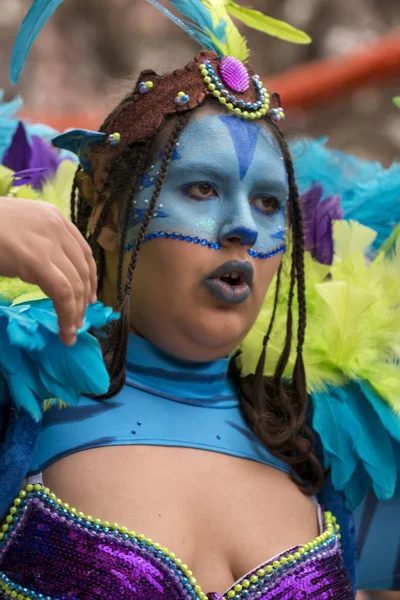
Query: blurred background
point(89, 46)
point(341, 86)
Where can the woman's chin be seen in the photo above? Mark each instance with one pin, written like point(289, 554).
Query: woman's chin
point(217, 335)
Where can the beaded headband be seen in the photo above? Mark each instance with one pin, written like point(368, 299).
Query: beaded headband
point(232, 85)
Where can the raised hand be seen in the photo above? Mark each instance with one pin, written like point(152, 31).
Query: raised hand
point(40, 246)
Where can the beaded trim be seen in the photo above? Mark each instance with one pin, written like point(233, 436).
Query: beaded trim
point(203, 242)
point(247, 110)
point(262, 579)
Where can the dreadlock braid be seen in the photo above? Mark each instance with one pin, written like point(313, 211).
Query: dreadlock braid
point(139, 161)
point(180, 124)
point(118, 341)
point(277, 412)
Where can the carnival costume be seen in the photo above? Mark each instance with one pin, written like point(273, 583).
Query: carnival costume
point(47, 549)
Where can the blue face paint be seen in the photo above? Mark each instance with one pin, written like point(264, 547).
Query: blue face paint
point(244, 135)
point(227, 180)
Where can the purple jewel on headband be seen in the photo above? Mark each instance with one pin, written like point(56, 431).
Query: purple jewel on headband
point(234, 74)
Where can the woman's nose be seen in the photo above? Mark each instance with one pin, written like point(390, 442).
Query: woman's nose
point(234, 234)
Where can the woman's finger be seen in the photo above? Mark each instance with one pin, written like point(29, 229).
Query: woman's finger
point(87, 252)
point(73, 251)
point(56, 285)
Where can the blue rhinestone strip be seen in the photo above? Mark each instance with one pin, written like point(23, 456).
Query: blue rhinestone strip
point(203, 242)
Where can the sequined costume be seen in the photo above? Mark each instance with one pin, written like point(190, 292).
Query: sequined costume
point(67, 555)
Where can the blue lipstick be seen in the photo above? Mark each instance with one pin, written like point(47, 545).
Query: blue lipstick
point(231, 282)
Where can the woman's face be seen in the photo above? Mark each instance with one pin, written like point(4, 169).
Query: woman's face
point(196, 294)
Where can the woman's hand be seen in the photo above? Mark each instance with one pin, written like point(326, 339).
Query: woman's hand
point(40, 246)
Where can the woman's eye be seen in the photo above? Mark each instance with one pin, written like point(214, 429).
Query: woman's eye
point(200, 191)
point(268, 205)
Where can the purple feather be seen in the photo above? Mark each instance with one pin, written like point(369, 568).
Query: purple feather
point(19, 154)
point(318, 216)
point(34, 177)
point(43, 155)
point(33, 162)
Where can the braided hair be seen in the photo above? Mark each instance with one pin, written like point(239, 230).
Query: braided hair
point(275, 410)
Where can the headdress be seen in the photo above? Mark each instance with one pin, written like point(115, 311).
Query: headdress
point(219, 72)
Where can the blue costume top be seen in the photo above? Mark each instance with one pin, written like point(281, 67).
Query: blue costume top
point(165, 402)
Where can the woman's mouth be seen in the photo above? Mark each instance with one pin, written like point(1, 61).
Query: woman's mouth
point(231, 282)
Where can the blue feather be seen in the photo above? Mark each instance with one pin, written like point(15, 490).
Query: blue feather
point(369, 193)
point(39, 13)
point(360, 436)
point(199, 22)
point(37, 366)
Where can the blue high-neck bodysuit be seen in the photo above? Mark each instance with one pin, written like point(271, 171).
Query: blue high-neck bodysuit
point(165, 402)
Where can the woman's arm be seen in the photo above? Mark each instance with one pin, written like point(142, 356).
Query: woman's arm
point(40, 246)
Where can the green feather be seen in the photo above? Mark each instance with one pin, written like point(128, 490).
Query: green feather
point(274, 27)
point(353, 323)
point(6, 180)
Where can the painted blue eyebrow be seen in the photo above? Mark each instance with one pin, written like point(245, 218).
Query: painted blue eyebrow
point(245, 136)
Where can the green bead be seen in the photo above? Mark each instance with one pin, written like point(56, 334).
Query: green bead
point(207, 79)
point(246, 583)
point(222, 100)
point(29, 487)
point(237, 111)
point(149, 85)
point(269, 568)
point(254, 579)
point(204, 72)
point(217, 94)
point(37, 487)
point(231, 594)
point(229, 106)
point(211, 87)
point(9, 519)
point(252, 116)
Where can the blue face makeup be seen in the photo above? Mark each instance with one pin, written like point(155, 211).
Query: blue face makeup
point(226, 179)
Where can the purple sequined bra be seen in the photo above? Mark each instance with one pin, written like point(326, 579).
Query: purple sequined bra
point(49, 551)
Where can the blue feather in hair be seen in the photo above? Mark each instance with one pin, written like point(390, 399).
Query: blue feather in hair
point(38, 15)
point(199, 24)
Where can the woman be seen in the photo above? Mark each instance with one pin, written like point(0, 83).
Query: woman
point(185, 206)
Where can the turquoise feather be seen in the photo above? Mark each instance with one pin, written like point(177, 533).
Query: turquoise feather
point(360, 436)
point(38, 15)
point(36, 366)
point(361, 184)
point(199, 24)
